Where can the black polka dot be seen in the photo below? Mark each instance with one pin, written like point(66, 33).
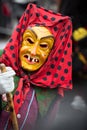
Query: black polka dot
point(53, 19)
point(48, 73)
point(18, 29)
point(45, 16)
point(52, 83)
point(37, 14)
point(65, 70)
point(61, 37)
point(23, 26)
point(55, 75)
point(45, 79)
point(15, 63)
point(56, 58)
point(13, 55)
point(17, 93)
point(55, 29)
point(66, 35)
point(25, 18)
point(11, 40)
point(69, 63)
point(62, 59)
point(68, 27)
point(63, 30)
point(63, 43)
point(18, 100)
point(52, 66)
point(31, 6)
point(68, 45)
point(62, 78)
point(59, 67)
point(27, 11)
point(59, 51)
point(65, 52)
point(11, 47)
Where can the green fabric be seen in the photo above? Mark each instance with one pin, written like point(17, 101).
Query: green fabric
point(44, 96)
point(1, 51)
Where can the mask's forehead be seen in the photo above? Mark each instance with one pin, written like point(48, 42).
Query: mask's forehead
point(41, 31)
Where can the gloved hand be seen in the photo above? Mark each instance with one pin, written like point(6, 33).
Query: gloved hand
point(7, 81)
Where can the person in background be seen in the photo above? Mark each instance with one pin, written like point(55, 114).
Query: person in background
point(77, 10)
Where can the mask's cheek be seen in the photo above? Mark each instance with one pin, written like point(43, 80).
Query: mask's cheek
point(23, 50)
point(44, 55)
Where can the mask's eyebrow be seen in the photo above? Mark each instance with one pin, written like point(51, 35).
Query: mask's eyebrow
point(47, 37)
point(32, 31)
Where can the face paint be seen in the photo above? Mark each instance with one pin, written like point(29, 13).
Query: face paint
point(36, 46)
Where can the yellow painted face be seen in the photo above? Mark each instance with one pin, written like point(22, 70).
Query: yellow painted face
point(36, 46)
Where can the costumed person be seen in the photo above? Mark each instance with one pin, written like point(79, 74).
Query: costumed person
point(40, 53)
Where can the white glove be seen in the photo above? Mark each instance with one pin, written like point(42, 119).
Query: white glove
point(7, 81)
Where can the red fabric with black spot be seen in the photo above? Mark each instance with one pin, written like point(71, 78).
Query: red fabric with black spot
point(57, 71)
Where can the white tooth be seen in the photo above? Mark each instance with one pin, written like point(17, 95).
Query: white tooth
point(33, 60)
point(28, 57)
point(36, 60)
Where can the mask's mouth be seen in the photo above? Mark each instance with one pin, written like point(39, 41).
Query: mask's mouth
point(30, 59)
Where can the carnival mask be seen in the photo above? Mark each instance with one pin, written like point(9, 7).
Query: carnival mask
point(36, 46)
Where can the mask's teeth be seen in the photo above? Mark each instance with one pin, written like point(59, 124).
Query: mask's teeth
point(33, 60)
point(37, 60)
point(28, 57)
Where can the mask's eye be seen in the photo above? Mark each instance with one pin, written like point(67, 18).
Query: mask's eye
point(43, 45)
point(30, 40)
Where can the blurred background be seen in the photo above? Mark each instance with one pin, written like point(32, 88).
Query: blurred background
point(72, 113)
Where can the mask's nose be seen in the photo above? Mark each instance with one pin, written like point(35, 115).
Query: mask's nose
point(34, 49)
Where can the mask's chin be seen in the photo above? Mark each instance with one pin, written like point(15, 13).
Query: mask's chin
point(30, 65)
